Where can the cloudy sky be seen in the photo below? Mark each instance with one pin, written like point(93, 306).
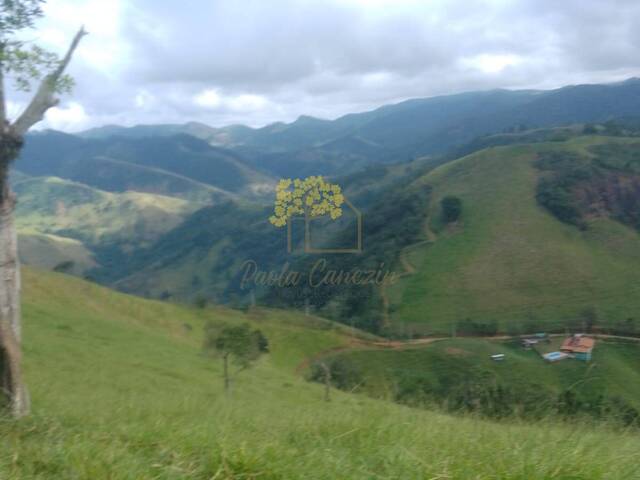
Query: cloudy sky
point(256, 62)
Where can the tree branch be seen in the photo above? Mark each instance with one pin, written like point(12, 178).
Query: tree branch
point(45, 98)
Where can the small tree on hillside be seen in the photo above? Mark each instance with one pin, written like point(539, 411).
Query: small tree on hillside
point(589, 319)
point(240, 345)
point(451, 209)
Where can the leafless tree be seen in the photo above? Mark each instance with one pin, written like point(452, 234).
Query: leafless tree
point(23, 63)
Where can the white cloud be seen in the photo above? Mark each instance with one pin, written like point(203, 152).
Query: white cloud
point(208, 98)
point(255, 62)
point(104, 49)
point(70, 118)
point(145, 100)
point(247, 103)
point(492, 63)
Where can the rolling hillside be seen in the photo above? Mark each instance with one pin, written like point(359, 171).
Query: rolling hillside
point(120, 390)
point(511, 261)
point(203, 257)
point(508, 264)
point(179, 165)
point(53, 252)
point(517, 259)
point(62, 221)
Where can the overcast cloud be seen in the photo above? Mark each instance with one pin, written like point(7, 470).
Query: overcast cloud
point(256, 62)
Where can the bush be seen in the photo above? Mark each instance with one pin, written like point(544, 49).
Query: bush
point(451, 209)
point(64, 267)
point(472, 328)
point(344, 374)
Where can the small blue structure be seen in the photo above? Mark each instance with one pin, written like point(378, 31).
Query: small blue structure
point(555, 356)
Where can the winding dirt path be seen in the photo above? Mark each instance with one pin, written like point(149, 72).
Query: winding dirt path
point(409, 269)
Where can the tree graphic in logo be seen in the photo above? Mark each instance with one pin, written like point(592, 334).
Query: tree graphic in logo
point(310, 198)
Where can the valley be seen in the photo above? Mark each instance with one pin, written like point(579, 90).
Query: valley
point(511, 261)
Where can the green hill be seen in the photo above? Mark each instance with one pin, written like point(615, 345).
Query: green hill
point(120, 391)
point(510, 260)
point(52, 252)
point(513, 262)
point(203, 256)
point(547, 240)
point(179, 165)
point(53, 205)
point(62, 221)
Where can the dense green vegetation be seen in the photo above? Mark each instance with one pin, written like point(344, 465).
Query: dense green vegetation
point(392, 223)
point(203, 257)
point(605, 182)
point(121, 390)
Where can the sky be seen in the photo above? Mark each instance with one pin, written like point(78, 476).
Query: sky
point(255, 62)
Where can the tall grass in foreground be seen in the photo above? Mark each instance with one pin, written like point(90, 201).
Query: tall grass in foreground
point(288, 435)
point(116, 397)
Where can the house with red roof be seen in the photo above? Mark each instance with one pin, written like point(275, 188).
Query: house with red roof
point(579, 346)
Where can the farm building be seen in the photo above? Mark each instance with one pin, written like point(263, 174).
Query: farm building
point(579, 346)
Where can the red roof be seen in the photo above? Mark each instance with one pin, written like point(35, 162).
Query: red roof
point(578, 344)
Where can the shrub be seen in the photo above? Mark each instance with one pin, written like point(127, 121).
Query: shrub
point(451, 209)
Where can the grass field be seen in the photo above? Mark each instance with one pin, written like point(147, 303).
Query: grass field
point(121, 391)
point(509, 260)
point(48, 251)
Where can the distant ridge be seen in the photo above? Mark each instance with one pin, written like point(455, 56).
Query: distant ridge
point(405, 130)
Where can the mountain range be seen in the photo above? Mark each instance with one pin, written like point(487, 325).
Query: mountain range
point(175, 211)
point(407, 130)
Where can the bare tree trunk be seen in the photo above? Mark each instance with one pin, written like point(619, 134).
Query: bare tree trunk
point(13, 387)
